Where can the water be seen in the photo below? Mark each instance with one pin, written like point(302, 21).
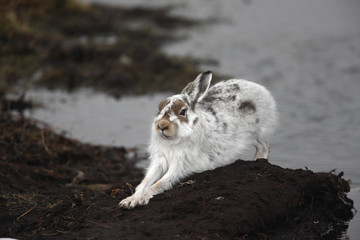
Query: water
point(96, 118)
point(306, 52)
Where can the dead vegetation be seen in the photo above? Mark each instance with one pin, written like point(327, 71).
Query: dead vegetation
point(65, 44)
point(50, 180)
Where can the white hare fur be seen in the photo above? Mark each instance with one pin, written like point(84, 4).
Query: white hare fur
point(204, 128)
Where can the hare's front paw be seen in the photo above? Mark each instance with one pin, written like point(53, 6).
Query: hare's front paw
point(145, 199)
point(129, 202)
point(133, 201)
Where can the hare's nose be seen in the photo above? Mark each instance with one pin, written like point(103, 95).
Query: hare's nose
point(164, 128)
point(162, 125)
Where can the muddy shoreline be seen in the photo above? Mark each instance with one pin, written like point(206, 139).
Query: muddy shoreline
point(57, 188)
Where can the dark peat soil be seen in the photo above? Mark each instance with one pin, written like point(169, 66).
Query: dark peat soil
point(52, 187)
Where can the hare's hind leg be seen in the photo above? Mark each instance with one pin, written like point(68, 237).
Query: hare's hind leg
point(262, 149)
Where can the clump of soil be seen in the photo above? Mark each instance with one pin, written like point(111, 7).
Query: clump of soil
point(52, 187)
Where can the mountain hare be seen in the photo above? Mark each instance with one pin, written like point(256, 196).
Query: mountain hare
point(204, 128)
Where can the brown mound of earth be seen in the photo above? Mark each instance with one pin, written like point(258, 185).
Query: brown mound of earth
point(57, 188)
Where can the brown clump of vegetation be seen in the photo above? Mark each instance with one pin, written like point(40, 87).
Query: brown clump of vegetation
point(62, 43)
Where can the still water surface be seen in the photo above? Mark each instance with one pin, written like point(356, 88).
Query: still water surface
point(307, 53)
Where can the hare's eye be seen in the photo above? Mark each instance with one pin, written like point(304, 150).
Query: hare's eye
point(183, 112)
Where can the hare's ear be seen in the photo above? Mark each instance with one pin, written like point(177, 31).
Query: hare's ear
point(198, 88)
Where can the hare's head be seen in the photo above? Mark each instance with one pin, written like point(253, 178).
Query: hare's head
point(177, 117)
